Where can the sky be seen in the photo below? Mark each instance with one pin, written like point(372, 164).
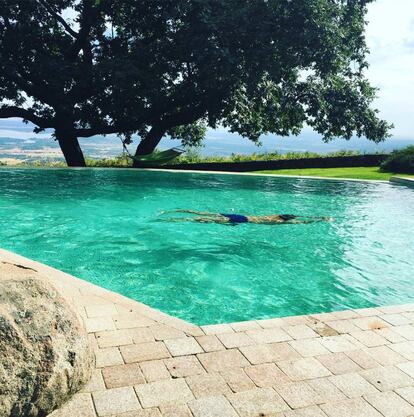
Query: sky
point(390, 37)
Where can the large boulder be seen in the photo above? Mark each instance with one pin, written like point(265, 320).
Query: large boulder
point(44, 352)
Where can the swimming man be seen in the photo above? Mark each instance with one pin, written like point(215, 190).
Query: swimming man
point(234, 219)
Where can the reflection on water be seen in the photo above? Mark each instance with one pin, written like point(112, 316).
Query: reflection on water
point(104, 226)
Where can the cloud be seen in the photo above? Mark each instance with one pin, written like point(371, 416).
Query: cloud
point(390, 37)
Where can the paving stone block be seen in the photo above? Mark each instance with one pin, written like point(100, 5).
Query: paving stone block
point(183, 346)
point(405, 331)
point(310, 347)
point(208, 385)
point(101, 310)
point(96, 383)
point(298, 394)
point(387, 378)
point(293, 320)
point(258, 402)
point(131, 320)
point(353, 385)
point(115, 401)
point(237, 380)
point(326, 391)
point(395, 319)
point(162, 393)
point(405, 349)
point(141, 335)
point(210, 343)
point(390, 335)
point(144, 352)
point(301, 369)
point(390, 404)
point(385, 356)
point(234, 340)
point(113, 338)
point(164, 332)
point(270, 323)
point(149, 412)
point(356, 407)
point(324, 317)
point(370, 323)
point(323, 329)
point(337, 344)
point(313, 411)
point(80, 405)
point(242, 326)
point(98, 324)
point(212, 407)
point(259, 353)
point(284, 351)
point(175, 410)
point(369, 338)
point(407, 393)
point(338, 363)
point(183, 366)
point(123, 375)
point(408, 368)
point(217, 329)
point(368, 312)
point(154, 370)
point(343, 326)
point(266, 375)
point(362, 358)
point(272, 335)
point(345, 314)
point(300, 331)
point(222, 360)
point(108, 357)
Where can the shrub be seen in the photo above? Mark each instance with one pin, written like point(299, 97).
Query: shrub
point(401, 160)
point(194, 156)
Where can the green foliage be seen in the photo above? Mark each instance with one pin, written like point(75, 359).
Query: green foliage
point(177, 66)
point(194, 156)
point(401, 160)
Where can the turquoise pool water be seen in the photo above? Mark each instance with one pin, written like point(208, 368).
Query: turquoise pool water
point(105, 226)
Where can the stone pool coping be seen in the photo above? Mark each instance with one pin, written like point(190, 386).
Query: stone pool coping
point(353, 363)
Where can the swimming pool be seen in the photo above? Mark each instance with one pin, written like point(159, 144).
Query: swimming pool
point(105, 226)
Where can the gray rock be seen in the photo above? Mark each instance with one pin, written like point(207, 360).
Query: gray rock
point(44, 353)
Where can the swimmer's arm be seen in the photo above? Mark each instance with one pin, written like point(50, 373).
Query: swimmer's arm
point(201, 213)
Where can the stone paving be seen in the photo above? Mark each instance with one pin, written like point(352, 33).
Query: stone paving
point(356, 363)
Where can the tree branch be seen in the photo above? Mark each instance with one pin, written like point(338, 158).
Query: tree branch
point(59, 18)
point(85, 28)
point(39, 92)
point(14, 111)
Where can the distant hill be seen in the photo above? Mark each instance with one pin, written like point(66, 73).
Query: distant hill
point(17, 141)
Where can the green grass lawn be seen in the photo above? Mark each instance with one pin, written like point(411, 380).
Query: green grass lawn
point(362, 173)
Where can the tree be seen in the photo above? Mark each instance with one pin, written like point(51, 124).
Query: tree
point(157, 67)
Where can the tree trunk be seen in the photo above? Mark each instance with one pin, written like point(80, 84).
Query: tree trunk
point(149, 143)
point(70, 147)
